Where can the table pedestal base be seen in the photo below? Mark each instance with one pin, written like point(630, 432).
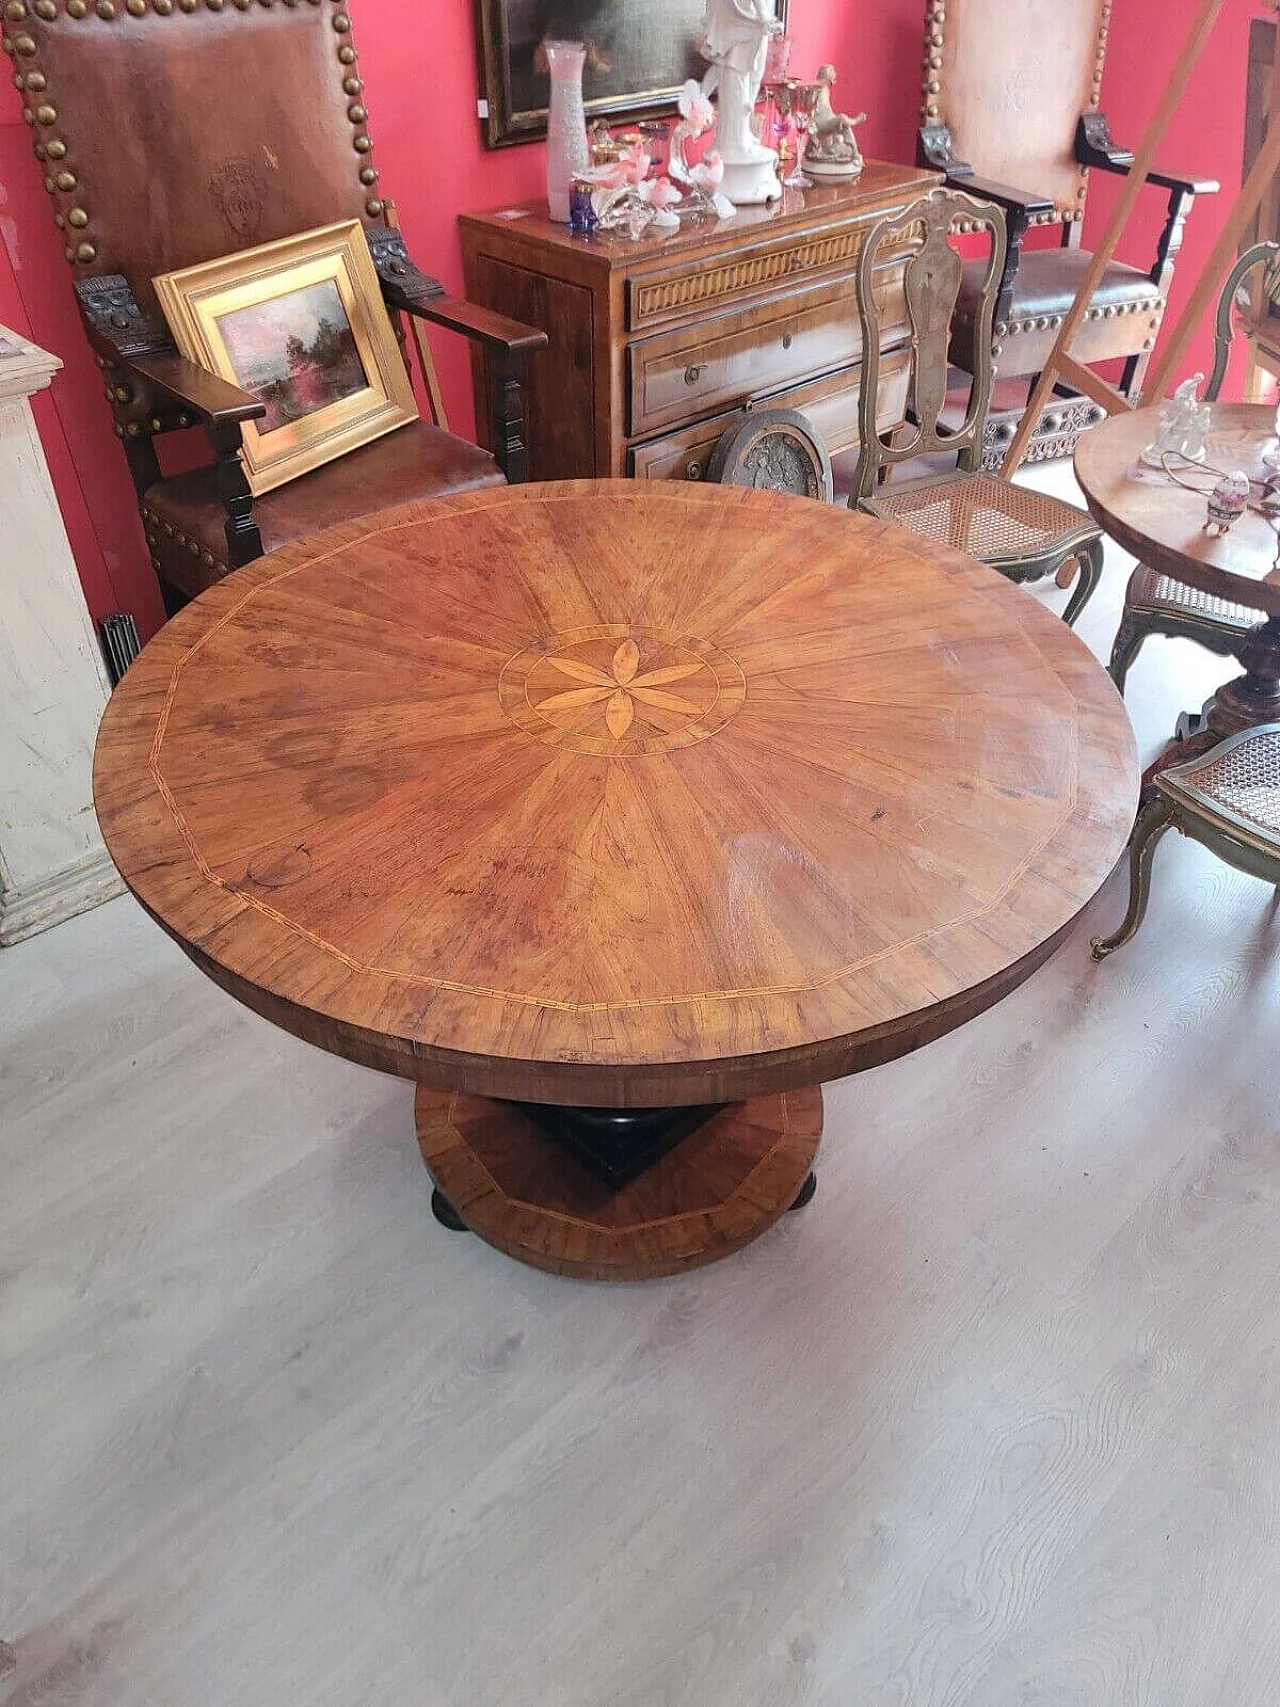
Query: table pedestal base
point(499, 1173)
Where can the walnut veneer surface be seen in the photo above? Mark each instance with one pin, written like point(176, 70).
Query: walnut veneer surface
point(616, 793)
point(654, 345)
point(1164, 523)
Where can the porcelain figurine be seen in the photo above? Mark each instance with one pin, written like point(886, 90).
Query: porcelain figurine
point(700, 180)
point(1181, 425)
point(735, 40)
point(833, 155)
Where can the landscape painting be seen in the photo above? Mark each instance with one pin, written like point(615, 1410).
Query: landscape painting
point(295, 352)
point(641, 52)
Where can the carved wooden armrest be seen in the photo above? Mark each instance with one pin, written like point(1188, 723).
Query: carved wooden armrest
point(130, 344)
point(937, 148)
point(506, 344)
point(405, 287)
point(1095, 146)
point(213, 400)
point(493, 331)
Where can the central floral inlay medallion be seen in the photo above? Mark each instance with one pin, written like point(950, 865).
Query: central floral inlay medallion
point(618, 690)
point(620, 687)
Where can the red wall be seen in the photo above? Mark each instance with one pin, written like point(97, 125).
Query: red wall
point(419, 65)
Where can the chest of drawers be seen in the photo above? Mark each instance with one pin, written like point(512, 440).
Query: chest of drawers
point(654, 345)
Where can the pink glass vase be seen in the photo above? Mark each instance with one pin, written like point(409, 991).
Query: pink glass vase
point(567, 150)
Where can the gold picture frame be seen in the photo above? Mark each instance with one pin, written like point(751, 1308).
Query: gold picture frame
point(300, 324)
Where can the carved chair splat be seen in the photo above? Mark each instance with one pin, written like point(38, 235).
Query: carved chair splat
point(1024, 535)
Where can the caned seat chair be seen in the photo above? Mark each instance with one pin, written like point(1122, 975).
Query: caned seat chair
point(1009, 111)
point(172, 132)
point(1155, 603)
point(1024, 535)
point(1228, 799)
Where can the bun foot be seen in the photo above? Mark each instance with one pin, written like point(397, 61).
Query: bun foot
point(805, 1194)
point(446, 1214)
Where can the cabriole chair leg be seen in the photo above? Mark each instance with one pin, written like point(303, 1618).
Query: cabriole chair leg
point(1129, 640)
point(1090, 561)
point(1154, 818)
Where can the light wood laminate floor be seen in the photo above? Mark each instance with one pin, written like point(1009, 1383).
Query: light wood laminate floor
point(991, 1424)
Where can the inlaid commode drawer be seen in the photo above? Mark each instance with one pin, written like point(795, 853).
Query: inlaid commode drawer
point(696, 370)
point(830, 405)
point(694, 288)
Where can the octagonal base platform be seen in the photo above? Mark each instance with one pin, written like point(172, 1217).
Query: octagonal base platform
point(715, 1192)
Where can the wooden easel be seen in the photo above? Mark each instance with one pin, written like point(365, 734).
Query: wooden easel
point(1061, 364)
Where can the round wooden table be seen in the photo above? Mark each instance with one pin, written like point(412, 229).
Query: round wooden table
point(1163, 524)
point(618, 816)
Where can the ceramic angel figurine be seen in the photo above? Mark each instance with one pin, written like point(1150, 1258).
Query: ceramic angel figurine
point(833, 153)
point(735, 39)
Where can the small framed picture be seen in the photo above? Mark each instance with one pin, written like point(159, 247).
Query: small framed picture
point(301, 325)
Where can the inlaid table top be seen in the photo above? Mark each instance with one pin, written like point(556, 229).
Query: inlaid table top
point(1163, 524)
point(616, 793)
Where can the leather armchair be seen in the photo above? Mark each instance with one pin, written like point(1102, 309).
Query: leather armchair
point(174, 131)
point(1011, 90)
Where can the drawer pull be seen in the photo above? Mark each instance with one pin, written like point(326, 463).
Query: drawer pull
point(693, 471)
point(787, 340)
point(692, 375)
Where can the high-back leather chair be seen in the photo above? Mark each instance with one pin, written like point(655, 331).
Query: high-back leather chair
point(172, 132)
point(1010, 113)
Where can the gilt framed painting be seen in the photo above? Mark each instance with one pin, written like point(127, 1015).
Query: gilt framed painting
point(300, 324)
point(640, 54)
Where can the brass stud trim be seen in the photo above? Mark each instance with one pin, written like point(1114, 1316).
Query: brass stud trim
point(46, 114)
point(356, 113)
point(86, 253)
point(347, 54)
point(373, 207)
point(15, 11)
point(24, 47)
point(352, 85)
point(54, 149)
point(78, 217)
point(361, 144)
point(77, 8)
point(368, 174)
